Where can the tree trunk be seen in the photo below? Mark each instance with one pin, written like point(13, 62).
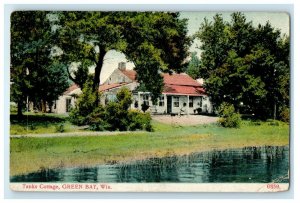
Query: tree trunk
point(98, 68)
point(50, 104)
point(274, 111)
point(20, 114)
point(44, 106)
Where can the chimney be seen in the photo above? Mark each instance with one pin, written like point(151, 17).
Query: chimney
point(200, 81)
point(122, 66)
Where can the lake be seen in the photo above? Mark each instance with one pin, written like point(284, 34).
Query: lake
point(246, 165)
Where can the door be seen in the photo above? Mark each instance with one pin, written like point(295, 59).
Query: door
point(169, 104)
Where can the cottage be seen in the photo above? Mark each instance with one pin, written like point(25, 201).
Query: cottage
point(181, 94)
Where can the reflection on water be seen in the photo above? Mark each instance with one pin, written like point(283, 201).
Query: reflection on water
point(250, 164)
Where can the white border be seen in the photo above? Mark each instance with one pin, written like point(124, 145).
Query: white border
point(295, 113)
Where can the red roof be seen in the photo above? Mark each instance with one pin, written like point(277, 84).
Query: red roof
point(183, 90)
point(131, 74)
point(71, 88)
point(180, 84)
point(105, 87)
point(180, 79)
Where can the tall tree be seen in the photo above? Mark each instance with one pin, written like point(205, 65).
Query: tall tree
point(153, 41)
point(34, 74)
point(29, 29)
point(193, 66)
point(243, 64)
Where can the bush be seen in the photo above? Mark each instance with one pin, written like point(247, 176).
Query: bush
point(114, 116)
point(85, 105)
point(228, 117)
point(284, 115)
point(96, 121)
point(60, 128)
point(138, 120)
point(274, 123)
point(13, 108)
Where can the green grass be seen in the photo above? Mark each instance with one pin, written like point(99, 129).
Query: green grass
point(30, 154)
point(39, 123)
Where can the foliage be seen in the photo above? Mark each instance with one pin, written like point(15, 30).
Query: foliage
point(193, 66)
point(95, 120)
point(13, 108)
point(152, 40)
point(285, 115)
point(85, 105)
point(117, 112)
point(245, 64)
point(139, 120)
point(113, 116)
point(121, 118)
point(60, 128)
point(37, 123)
point(228, 117)
point(48, 83)
point(35, 74)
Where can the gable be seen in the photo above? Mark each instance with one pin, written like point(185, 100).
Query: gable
point(121, 76)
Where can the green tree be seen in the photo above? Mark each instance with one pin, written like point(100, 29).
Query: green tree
point(29, 50)
point(35, 75)
point(244, 65)
point(48, 83)
point(85, 105)
point(193, 66)
point(153, 41)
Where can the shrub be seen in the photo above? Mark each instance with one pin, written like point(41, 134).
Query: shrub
point(13, 108)
point(138, 120)
point(60, 128)
point(85, 105)
point(284, 115)
point(274, 123)
point(113, 116)
point(228, 117)
point(96, 121)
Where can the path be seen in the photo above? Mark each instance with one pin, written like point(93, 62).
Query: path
point(72, 134)
point(185, 120)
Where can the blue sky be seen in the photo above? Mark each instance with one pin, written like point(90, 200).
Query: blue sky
point(278, 20)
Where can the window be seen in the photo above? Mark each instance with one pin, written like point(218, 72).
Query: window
point(146, 99)
point(111, 97)
point(68, 105)
point(200, 103)
point(176, 101)
point(191, 102)
point(161, 100)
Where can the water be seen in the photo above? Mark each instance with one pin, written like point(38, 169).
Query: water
point(246, 165)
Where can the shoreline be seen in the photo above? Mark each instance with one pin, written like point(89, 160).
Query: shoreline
point(128, 160)
point(29, 154)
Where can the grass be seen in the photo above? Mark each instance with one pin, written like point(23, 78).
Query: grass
point(39, 123)
point(30, 154)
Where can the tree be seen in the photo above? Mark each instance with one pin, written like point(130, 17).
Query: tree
point(29, 34)
point(35, 75)
point(154, 41)
point(244, 65)
point(48, 83)
point(193, 66)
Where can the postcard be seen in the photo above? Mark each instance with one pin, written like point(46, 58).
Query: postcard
point(125, 101)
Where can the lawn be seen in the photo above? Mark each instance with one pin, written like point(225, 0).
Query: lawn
point(39, 123)
point(30, 154)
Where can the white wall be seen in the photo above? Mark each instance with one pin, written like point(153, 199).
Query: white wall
point(61, 102)
point(117, 77)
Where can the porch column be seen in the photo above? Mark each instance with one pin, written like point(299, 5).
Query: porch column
point(188, 105)
point(139, 100)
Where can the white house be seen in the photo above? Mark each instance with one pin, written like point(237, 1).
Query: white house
point(181, 94)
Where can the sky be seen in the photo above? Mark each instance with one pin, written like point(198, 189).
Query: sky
point(278, 20)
